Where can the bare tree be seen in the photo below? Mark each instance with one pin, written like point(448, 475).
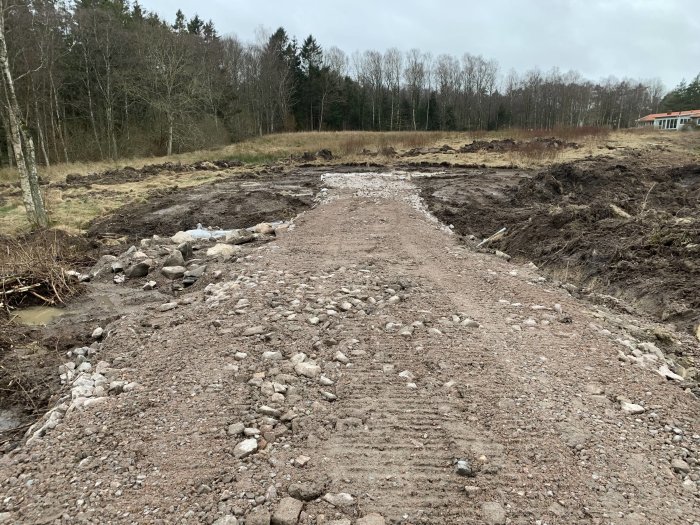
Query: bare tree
point(21, 140)
point(414, 75)
point(393, 61)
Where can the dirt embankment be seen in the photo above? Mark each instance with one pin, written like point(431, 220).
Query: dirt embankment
point(618, 228)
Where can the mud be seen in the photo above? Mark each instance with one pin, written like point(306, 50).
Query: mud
point(618, 228)
point(236, 202)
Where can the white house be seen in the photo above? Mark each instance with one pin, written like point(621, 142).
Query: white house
point(672, 120)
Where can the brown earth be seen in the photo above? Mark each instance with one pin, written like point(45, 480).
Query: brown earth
point(627, 229)
point(239, 201)
point(446, 354)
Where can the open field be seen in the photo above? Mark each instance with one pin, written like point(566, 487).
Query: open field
point(73, 207)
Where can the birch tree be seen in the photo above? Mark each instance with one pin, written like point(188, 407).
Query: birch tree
point(21, 140)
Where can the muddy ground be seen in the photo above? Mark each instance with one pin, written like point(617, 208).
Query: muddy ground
point(618, 228)
point(236, 202)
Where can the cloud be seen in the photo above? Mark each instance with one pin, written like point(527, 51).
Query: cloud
point(599, 38)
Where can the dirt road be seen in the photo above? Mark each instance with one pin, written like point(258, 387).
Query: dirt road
point(367, 365)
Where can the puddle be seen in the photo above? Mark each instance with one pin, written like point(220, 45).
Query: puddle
point(38, 315)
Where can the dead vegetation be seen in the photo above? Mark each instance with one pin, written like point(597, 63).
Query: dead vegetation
point(33, 269)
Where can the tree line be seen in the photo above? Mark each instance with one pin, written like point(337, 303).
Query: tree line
point(102, 79)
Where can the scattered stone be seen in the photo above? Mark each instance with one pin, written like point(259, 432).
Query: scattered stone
point(222, 250)
point(272, 356)
point(117, 267)
point(306, 491)
point(631, 408)
point(173, 272)
point(463, 468)
point(98, 332)
point(341, 499)
point(167, 307)
point(301, 461)
point(226, 520)
point(307, 369)
point(254, 330)
point(245, 448)
point(680, 466)
point(407, 375)
point(493, 513)
point(664, 371)
point(471, 490)
point(371, 519)
point(150, 285)
point(269, 411)
point(287, 512)
point(470, 323)
point(235, 429)
point(502, 255)
point(341, 357)
point(329, 396)
point(193, 275)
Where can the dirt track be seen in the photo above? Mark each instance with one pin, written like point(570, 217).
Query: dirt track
point(532, 398)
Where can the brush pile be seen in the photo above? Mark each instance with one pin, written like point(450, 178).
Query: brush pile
point(33, 269)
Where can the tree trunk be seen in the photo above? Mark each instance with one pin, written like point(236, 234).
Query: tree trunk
point(171, 124)
point(26, 164)
point(42, 142)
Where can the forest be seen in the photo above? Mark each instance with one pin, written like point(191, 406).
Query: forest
point(104, 79)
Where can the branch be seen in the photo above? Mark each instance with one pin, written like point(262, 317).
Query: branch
point(29, 72)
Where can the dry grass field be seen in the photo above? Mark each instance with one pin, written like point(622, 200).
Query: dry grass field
point(72, 207)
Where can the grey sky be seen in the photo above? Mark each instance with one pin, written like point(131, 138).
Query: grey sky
point(599, 38)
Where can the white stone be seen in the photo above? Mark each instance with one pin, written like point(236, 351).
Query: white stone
point(245, 448)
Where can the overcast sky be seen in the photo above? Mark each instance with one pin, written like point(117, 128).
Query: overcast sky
point(639, 39)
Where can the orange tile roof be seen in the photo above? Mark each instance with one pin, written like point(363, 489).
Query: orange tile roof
point(654, 116)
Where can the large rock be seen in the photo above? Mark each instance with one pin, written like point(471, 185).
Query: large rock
point(305, 491)
point(181, 237)
point(287, 512)
point(185, 248)
point(222, 250)
point(139, 269)
point(173, 272)
point(174, 259)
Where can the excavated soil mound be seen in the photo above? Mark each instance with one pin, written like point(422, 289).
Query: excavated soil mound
point(620, 229)
point(237, 202)
point(129, 174)
point(514, 145)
